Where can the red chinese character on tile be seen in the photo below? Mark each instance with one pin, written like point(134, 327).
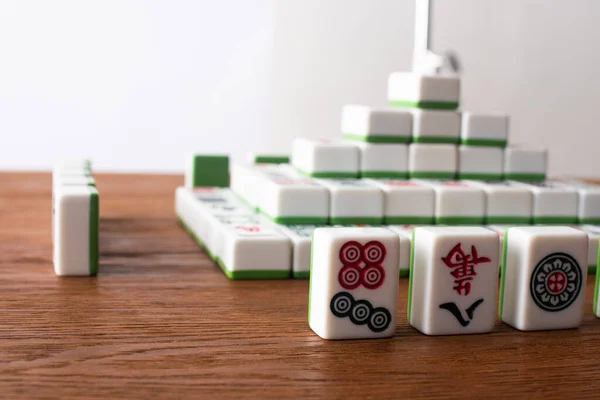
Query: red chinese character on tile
point(401, 183)
point(249, 228)
point(463, 267)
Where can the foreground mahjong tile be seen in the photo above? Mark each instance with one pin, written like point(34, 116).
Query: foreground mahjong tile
point(593, 233)
point(480, 162)
point(204, 170)
point(404, 233)
point(384, 125)
point(353, 283)
point(432, 161)
point(354, 201)
point(553, 203)
point(544, 270)
point(406, 202)
point(434, 126)
point(525, 164)
point(457, 203)
point(505, 203)
point(254, 158)
point(406, 89)
point(301, 238)
point(589, 201)
point(484, 129)
point(293, 200)
point(76, 215)
point(383, 160)
point(325, 158)
point(453, 280)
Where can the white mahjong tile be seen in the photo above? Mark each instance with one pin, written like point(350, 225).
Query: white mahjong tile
point(525, 164)
point(383, 160)
point(432, 161)
point(484, 129)
point(407, 89)
point(354, 201)
point(244, 180)
point(353, 283)
point(453, 280)
point(436, 126)
point(404, 233)
point(553, 203)
point(406, 201)
point(480, 162)
point(75, 227)
point(544, 271)
point(499, 229)
point(593, 233)
point(457, 203)
point(589, 201)
point(378, 125)
point(325, 158)
point(301, 238)
point(505, 203)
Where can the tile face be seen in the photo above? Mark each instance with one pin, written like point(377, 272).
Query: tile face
point(553, 203)
point(76, 215)
point(453, 280)
point(432, 161)
point(353, 283)
point(525, 164)
point(484, 129)
point(406, 202)
point(480, 162)
point(404, 233)
point(406, 89)
point(593, 232)
point(301, 238)
point(457, 203)
point(589, 201)
point(376, 125)
point(325, 158)
point(382, 160)
point(205, 170)
point(354, 201)
point(435, 126)
point(505, 203)
point(544, 270)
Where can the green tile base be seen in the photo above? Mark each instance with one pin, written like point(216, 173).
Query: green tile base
point(480, 177)
point(484, 142)
point(525, 177)
point(384, 174)
point(355, 220)
point(93, 228)
point(507, 220)
point(259, 159)
point(432, 175)
point(459, 220)
point(296, 220)
point(590, 221)
point(210, 171)
point(301, 274)
point(431, 105)
point(435, 139)
point(554, 220)
point(503, 273)
point(329, 174)
point(408, 220)
point(253, 274)
point(404, 273)
point(591, 269)
point(410, 274)
point(374, 138)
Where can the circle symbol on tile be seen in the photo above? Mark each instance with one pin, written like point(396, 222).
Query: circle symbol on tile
point(380, 319)
point(361, 312)
point(341, 304)
point(373, 276)
point(556, 282)
point(349, 277)
point(351, 252)
point(374, 252)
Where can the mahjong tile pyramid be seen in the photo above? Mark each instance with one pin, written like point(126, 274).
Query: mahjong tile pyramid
point(419, 161)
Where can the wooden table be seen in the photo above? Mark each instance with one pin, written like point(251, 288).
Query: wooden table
point(162, 321)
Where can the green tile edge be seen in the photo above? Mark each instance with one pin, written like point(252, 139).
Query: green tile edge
point(384, 174)
point(271, 159)
point(591, 269)
point(218, 165)
point(484, 142)
point(370, 138)
point(503, 274)
point(435, 139)
point(480, 177)
point(356, 220)
point(525, 177)
point(432, 175)
point(459, 220)
point(589, 221)
point(399, 220)
point(411, 274)
point(508, 220)
point(94, 233)
point(429, 105)
point(329, 174)
point(404, 273)
point(301, 274)
point(296, 220)
point(554, 220)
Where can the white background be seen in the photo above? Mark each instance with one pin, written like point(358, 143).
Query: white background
point(136, 84)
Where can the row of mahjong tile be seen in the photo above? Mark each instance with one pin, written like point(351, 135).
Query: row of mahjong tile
point(328, 158)
point(248, 246)
point(453, 286)
point(288, 198)
point(75, 216)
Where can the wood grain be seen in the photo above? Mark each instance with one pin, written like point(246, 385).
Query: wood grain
point(162, 321)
